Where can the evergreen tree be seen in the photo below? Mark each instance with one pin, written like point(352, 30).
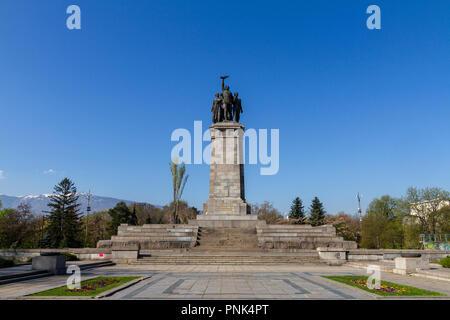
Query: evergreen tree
point(317, 212)
point(119, 214)
point(297, 210)
point(133, 218)
point(64, 224)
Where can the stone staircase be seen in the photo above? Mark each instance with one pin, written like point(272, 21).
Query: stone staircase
point(225, 258)
point(194, 245)
point(227, 246)
point(300, 237)
point(226, 240)
point(153, 236)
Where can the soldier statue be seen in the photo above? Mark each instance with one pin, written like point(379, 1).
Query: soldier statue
point(237, 108)
point(227, 100)
point(217, 109)
point(226, 107)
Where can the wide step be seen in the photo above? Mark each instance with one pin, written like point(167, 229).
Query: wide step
point(228, 258)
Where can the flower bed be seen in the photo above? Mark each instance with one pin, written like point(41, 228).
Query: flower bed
point(386, 288)
point(90, 287)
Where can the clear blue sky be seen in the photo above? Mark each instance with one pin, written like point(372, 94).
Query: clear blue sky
point(357, 109)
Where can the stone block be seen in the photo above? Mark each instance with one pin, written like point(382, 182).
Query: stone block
point(405, 266)
point(125, 254)
point(423, 264)
point(55, 264)
point(332, 256)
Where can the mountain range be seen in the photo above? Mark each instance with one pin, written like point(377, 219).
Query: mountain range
point(39, 203)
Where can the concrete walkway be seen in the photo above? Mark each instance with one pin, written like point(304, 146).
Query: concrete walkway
point(229, 282)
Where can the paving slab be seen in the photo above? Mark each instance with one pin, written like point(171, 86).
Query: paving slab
point(232, 282)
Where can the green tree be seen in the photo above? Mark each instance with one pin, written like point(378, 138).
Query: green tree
point(297, 210)
point(147, 213)
point(17, 227)
point(121, 213)
point(317, 213)
point(382, 226)
point(133, 217)
point(64, 228)
point(443, 220)
point(178, 182)
point(97, 223)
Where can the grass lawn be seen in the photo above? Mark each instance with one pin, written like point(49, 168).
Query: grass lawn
point(90, 287)
point(386, 289)
point(444, 262)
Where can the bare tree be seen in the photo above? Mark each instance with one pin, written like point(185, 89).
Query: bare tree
point(425, 205)
point(267, 212)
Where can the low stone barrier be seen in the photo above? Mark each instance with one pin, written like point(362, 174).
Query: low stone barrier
point(81, 253)
point(125, 253)
point(333, 256)
point(406, 266)
point(391, 254)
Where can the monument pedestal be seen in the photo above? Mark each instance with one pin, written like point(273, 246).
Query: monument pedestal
point(227, 221)
point(226, 205)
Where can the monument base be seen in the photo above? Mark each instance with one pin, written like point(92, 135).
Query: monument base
point(226, 206)
point(227, 221)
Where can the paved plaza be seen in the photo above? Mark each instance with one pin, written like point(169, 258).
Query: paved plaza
point(229, 282)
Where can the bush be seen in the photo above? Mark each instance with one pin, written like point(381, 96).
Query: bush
point(5, 263)
point(69, 256)
point(445, 262)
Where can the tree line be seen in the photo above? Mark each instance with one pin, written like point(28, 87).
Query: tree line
point(387, 223)
point(64, 226)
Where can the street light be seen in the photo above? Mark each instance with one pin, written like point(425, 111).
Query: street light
point(88, 210)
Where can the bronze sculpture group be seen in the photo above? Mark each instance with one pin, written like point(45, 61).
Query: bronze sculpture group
point(226, 107)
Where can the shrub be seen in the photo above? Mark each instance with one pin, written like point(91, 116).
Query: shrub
point(69, 256)
point(5, 263)
point(445, 262)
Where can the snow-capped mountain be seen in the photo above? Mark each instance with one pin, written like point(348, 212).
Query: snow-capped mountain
point(39, 203)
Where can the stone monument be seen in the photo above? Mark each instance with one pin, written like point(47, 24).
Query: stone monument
point(226, 205)
point(227, 222)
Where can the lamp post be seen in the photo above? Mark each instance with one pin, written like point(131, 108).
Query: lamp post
point(360, 214)
point(88, 210)
point(359, 207)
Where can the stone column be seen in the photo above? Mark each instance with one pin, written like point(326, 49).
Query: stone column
point(226, 181)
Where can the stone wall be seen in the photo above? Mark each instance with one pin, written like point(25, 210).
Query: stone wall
point(300, 237)
point(391, 254)
point(153, 236)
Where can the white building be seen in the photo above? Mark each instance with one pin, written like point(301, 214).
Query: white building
point(423, 207)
